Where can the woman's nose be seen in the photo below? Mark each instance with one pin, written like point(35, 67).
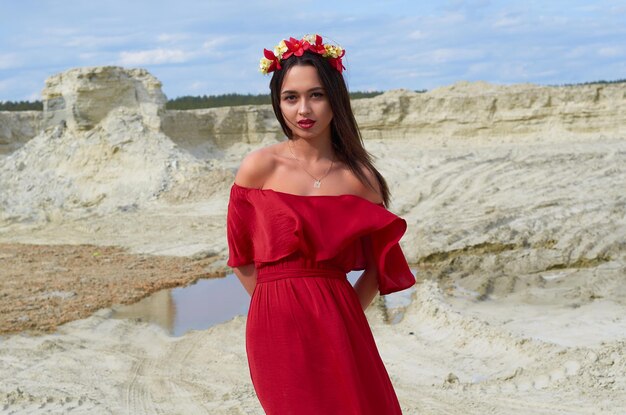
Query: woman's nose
point(304, 108)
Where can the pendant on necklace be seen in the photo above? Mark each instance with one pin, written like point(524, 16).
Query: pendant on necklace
point(317, 184)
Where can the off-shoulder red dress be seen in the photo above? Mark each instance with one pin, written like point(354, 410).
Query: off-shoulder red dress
point(310, 348)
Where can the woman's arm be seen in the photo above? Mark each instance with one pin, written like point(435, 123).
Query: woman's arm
point(366, 286)
point(251, 173)
point(247, 277)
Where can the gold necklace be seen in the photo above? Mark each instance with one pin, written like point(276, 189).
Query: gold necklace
point(318, 182)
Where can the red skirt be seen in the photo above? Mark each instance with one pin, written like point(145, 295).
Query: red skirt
point(310, 347)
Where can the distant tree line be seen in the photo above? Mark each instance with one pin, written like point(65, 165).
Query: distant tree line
point(617, 81)
point(189, 102)
point(21, 106)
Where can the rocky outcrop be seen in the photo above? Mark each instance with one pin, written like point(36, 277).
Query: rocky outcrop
point(480, 109)
point(200, 131)
point(82, 97)
point(17, 127)
point(462, 110)
point(100, 151)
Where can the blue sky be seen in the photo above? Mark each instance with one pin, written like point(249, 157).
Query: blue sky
point(213, 46)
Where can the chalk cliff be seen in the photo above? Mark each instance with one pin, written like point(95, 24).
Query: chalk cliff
point(83, 97)
point(482, 109)
point(105, 142)
point(100, 150)
point(17, 127)
point(464, 110)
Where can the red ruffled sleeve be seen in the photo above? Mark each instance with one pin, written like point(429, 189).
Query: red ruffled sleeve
point(258, 232)
point(394, 273)
point(265, 226)
point(338, 230)
point(239, 229)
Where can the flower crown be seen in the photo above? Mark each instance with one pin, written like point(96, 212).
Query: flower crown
point(312, 43)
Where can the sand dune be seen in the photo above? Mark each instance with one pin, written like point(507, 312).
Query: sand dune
point(440, 359)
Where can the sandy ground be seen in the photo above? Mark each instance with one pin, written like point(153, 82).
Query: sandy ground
point(521, 251)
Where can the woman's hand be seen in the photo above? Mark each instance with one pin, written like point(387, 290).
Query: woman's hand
point(247, 277)
point(366, 286)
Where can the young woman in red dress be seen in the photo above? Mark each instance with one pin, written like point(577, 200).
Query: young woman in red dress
point(302, 213)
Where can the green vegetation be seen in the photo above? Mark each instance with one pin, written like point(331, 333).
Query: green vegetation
point(189, 102)
point(617, 81)
point(232, 100)
point(21, 106)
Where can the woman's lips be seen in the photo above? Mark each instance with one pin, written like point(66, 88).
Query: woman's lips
point(306, 123)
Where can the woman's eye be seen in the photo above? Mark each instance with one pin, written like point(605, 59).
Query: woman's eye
point(290, 97)
point(317, 95)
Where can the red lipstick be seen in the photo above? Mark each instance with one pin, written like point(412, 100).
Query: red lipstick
point(306, 123)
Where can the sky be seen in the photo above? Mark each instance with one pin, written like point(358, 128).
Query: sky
point(213, 47)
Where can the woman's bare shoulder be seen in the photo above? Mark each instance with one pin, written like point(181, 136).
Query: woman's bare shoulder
point(373, 195)
point(256, 166)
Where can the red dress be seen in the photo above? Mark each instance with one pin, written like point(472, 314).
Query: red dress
point(310, 348)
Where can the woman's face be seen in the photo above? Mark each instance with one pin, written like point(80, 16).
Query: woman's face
point(304, 103)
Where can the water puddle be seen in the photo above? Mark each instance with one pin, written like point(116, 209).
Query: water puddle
point(397, 303)
point(194, 307)
point(209, 302)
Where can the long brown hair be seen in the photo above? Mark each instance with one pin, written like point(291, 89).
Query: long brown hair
point(345, 135)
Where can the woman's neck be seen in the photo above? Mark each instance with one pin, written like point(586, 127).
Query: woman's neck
point(312, 151)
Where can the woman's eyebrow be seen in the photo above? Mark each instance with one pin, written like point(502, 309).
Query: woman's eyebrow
point(295, 92)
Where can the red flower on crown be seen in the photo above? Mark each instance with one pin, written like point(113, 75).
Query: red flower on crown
point(318, 47)
point(295, 47)
point(312, 43)
point(275, 62)
point(337, 63)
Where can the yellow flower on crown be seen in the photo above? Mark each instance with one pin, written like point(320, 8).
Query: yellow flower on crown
point(332, 51)
point(309, 38)
point(280, 49)
point(309, 43)
point(264, 65)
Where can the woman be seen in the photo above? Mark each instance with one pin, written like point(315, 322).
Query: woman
point(302, 213)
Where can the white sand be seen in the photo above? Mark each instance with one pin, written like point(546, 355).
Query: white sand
point(101, 365)
point(526, 236)
point(542, 342)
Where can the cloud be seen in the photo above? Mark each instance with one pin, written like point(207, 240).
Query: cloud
point(153, 57)
point(33, 96)
point(21, 86)
point(214, 47)
point(611, 51)
point(198, 86)
point(9, 61)
point(417, 35)
point(91, 41)
point(508, 20)
point(59, 31)
point(172, 37)
point(87, 56)
point(447, 55)
point(4, 84)
point(213, 42)
point(577, 52)
point(452, 18)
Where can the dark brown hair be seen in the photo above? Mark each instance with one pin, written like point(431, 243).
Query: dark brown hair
point(345, 135)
